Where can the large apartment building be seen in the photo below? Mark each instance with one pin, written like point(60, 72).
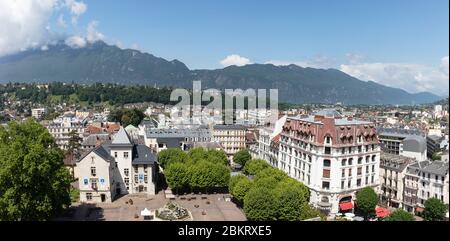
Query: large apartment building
point(231, 137)
point(334, 156)
point(392, 176)
point(424, 180)
point(60, 129)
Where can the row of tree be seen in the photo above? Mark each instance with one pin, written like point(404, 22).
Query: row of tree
point(113, 93)
point(271, 194)
point(197, 169)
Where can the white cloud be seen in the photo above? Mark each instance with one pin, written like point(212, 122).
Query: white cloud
point(410, 77)
point(235, 59)
point(354, 58)
point(444, 65)
point(93, 35)
point(77, 8)
point(119, 44)
point(24, 24)
point(319, 62)
point(61, 22)
point(44, 48)
point(135, 46)
point(76, 42)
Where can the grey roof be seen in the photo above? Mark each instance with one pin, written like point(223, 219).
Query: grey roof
point(412, 139)
point(171, 142)
point(394, 162)
point(399, 132)
point(104, 152)
point(143, 155)
point(178, 133)
point(435, 138)
point(121, 137)
point(414, 144)
point(229, 127)
point(434, 167)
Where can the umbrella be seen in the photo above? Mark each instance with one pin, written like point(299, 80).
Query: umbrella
point(146, 212)
point(349, 215)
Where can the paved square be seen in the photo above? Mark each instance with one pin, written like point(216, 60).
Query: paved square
point(204, 207)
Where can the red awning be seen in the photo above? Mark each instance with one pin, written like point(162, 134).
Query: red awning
point(382, 212)
point(346, 206)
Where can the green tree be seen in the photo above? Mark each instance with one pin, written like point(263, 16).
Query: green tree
point(367, 200)
point(290, 182)
point(74, 144)
point(241, 189)
point(220, 174)
point(177, 175)
point(260, 204)
point(436, 156)
point(253, 167)
point(34, 184)
point(234, 180)
point(171, 155)
point(272, 172)
point(400, 215)
point(127, 116)
point(196, 155)
point(309, 212)
point(435, 210)
point(292, 202)
point(242, 157)
point(216, 156)
point(206, 175)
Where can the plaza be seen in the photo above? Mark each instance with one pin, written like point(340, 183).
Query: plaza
point(211, 207)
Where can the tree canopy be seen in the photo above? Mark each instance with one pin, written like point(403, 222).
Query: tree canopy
point(171, 155)
point(241, 188)
point(198, 169)
point(127, 116)
point(242, 157)
point(367, 200)
point(34, 184)
point(400, 215)
point(177, 175)
point(253, 167)
point(290, 197)
point(435, 210)
point(260, 204)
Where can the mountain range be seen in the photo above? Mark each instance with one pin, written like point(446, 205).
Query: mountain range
point(100, 62)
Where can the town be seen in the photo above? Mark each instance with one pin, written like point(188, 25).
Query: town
point(130, 159)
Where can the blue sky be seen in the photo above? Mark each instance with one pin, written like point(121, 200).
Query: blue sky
point(400, 43)
point(201, 33)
